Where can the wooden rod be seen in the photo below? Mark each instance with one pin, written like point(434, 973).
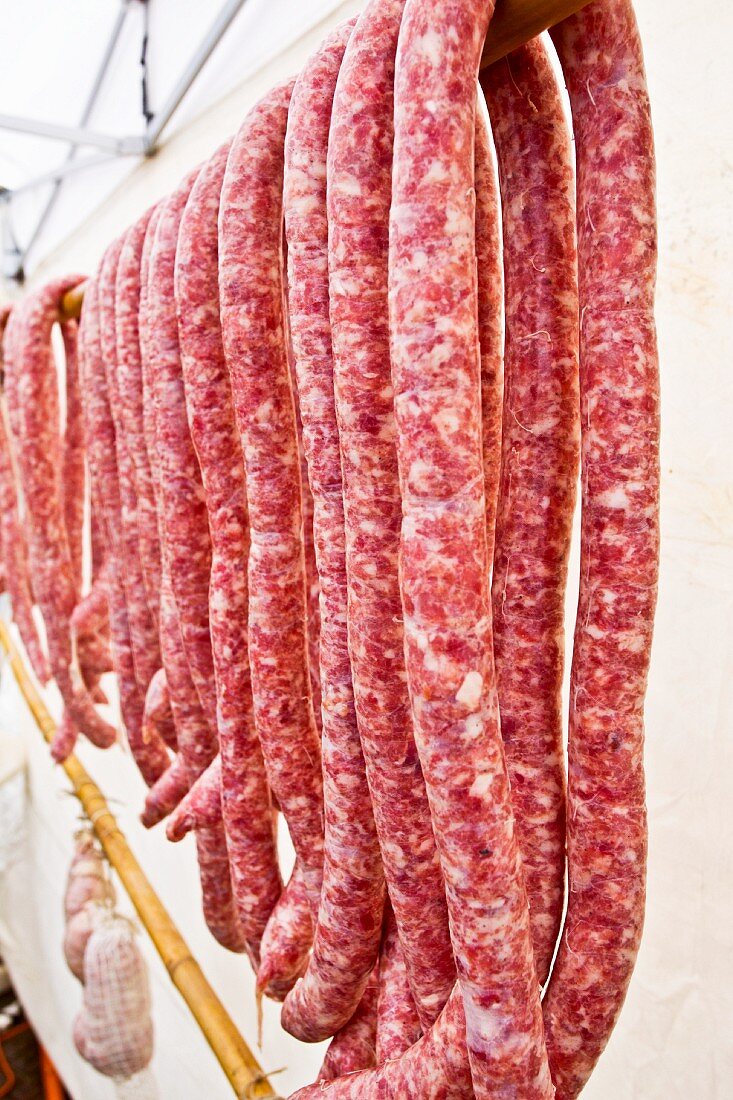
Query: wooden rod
point(517, 21)
point(71, 303)
point(242, 1069)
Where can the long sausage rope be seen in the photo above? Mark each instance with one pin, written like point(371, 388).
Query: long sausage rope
point(32, 400)
point(359, 194)
point(444, 566)
point(245, 796)
point(349, 920)
point(186, 641)
point(602, 61)
point(540, 453)
point(331, 508)
point(250, 277)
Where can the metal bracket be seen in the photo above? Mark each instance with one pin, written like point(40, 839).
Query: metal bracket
point(211, 40)
point(76, 135)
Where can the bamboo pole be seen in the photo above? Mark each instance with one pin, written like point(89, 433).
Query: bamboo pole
point(242, 1069)
point(71, 303)
point(517, 21)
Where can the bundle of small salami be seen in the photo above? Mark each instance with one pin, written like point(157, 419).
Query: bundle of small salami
point(338, 390)
point(87, 889)
point(114, 1030)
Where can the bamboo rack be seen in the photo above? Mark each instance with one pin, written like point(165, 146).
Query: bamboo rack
point(239, 1064)
point(517, 21)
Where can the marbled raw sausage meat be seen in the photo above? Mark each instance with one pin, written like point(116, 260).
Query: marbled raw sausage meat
point(353, 1048)
point(186, 551)
point(255, 343)
point(601, 57)
point(200, 805)
point(90, 618)
point(347, 936)
point(15, 556)
point(91, 613)
point(185, 521)
point(398, 1023)
point(166, 795)
point(157, 716)
point(444, 562)
point(128, 601)
point(490, 317)
point(286, 941)
point(359, 196)
point(32, 394)
point(130, 409)
point(434, 1068)
point(93, 650)
point(151, 758)
point(539, 469)
point(147, 410)
point(116, 336)
point(313, 584)
point(245, 795)
point(15, 553)
point(72, 468)
point(173, 785)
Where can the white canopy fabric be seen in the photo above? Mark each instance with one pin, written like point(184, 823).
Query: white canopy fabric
point(50, 55)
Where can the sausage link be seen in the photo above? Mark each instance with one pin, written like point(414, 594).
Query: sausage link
point(359, 195)
point(186, 564)
point(158, 717)
point(200, 805)
point(346, 941)
point(165, 796)
point(185, 521)
point(168, 792)
point(120, 343)
point(353, 1048)
point(250, 243)
point(244, 793)
point(398, 1023)
point(151, 758)
point(490, 318)
point(91, 615)
point(98, 548)
point(601, 57)
point(147, 411)
point(32, 395)
point(15, 556)
point(72, 470)
point(313, 584)
point(444, 561)
point(64, 738)
point(90, 619)
point(128, 587)
point(434, 1068)
point(286, 941)
point(130, 408)
point(540, 454)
